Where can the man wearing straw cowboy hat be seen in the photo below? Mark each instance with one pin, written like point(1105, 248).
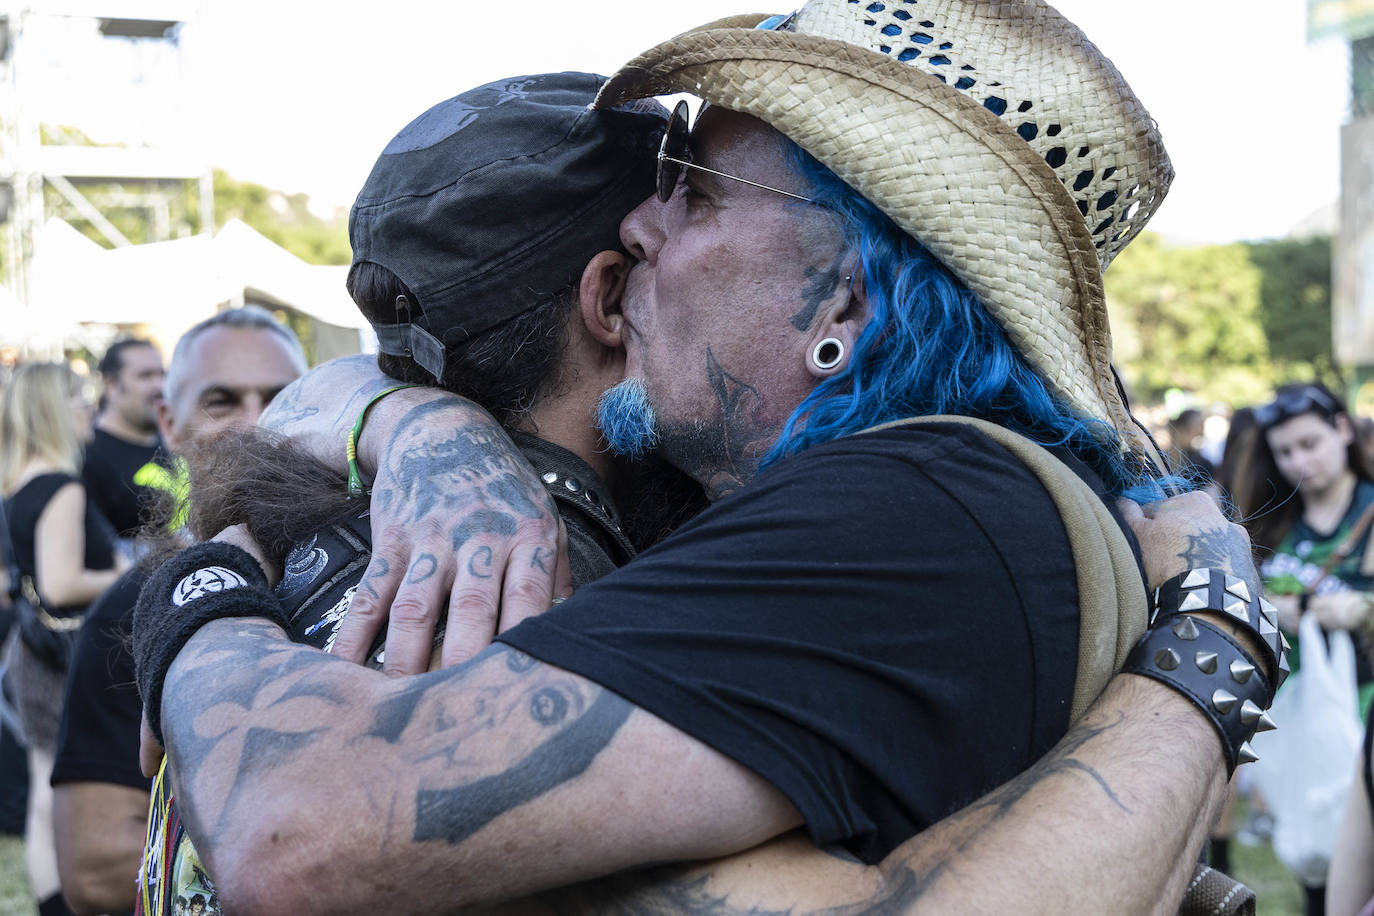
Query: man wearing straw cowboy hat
point(756, 324)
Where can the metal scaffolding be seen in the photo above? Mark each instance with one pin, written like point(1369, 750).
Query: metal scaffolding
point(129, 57)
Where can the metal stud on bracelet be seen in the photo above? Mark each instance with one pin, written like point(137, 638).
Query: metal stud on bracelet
point(1213, 671)
point(1217, 590)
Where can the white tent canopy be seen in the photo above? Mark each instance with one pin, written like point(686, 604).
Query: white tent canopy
point(174, 284)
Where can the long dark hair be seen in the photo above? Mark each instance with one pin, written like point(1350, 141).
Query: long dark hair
point(1267, 503)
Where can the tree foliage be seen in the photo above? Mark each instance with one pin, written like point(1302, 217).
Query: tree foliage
point(1227, 322)
point(146, 211)
point(1295, 306)
point(284, 218)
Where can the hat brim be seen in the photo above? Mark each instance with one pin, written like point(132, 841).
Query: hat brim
point(1007, 227)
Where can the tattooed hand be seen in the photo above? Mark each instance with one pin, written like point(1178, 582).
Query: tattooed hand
point(1188, 531)
point(459, 521)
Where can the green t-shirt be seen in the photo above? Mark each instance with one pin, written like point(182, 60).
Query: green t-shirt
point(1298, 560)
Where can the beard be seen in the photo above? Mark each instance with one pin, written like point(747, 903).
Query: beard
point(626, 420)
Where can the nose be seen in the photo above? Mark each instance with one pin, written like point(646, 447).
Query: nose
point(253, 406)
point(641, 231)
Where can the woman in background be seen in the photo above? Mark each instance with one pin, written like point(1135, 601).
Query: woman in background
point(1307, 499)
point(67, 550)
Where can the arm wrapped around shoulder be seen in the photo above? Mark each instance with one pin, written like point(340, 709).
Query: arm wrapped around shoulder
point(198, 585)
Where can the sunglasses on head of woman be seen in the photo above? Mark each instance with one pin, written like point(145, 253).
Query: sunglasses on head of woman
point(1290, 404)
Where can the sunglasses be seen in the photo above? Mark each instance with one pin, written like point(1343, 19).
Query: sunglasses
point(1295, 403)
point(674, 156)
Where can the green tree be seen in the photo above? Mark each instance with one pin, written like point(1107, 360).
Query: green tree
point(1189, 318)
point(284, 218)
point(1295, 307)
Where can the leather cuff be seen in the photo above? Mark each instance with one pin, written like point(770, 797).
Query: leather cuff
point(1213, 671)
point(1200, 590)
point(198, 585)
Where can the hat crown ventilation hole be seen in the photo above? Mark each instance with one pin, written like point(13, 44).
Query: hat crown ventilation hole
point(1109, 199)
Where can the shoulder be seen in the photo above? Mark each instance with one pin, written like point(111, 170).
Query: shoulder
point(956, 459)
point(60, 488)
point(931, 489)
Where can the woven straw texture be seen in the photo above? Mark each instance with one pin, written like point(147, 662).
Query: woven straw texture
point(993, 132)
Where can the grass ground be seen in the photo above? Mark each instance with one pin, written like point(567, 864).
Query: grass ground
point(14, 885)
point(1277, 892)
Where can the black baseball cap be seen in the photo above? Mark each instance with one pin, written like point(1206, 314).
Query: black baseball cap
point(491, 202)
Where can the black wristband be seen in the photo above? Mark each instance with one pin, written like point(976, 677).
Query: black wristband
point(1216, 590)
point(1213, 671)
point(198, 585)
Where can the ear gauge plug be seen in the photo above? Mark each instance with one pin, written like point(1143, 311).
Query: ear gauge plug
point(828, 353)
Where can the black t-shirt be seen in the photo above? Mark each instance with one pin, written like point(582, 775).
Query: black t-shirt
point(97, 740)
point(886, 629)
point(26, 505)
point(111, 463)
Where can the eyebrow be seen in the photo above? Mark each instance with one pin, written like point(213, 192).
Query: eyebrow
point(237, 393)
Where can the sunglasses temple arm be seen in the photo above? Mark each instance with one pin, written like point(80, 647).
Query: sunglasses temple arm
point(755, 184)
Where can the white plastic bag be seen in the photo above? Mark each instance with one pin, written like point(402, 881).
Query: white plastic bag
point(1306, 765)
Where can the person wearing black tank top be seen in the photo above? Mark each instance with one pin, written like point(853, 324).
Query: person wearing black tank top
point(63, 543)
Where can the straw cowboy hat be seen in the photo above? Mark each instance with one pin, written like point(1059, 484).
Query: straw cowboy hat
point(992, 131)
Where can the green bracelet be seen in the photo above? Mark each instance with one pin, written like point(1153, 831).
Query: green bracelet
point(355, 477)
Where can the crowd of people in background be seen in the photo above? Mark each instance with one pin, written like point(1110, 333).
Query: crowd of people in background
point(592, 313)
point(82, 466)
point(78, 485)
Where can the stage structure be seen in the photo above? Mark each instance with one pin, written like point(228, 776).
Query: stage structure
point(1352, 280)
point(94, 100)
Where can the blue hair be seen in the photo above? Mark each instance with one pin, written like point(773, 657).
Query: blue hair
point(930, 347)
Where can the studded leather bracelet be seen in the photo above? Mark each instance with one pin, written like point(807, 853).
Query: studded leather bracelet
point(198, 585)
point(1212, 670)
point(1205, 664)
point(1200, 590)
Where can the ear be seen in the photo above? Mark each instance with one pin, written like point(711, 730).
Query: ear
point(603, 285)
point(1345, 428)
point(843, 320)
point(166, 423)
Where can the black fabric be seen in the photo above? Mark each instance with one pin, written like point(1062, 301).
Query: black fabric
point(14, 773)
point(322, 573)
point(458, 204)
point(97, 740)
point(109, 469)
point(883, 627)
point(209, 581)
point(26, 505)
point(54, 906)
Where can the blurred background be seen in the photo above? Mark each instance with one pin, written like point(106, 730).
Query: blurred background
point(163, 160)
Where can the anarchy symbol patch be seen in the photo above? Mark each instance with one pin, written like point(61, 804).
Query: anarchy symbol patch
point(207, 581)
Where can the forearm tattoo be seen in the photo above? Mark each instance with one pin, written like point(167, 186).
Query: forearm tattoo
point(908, 875)
point(309, 406)
point(444, 753)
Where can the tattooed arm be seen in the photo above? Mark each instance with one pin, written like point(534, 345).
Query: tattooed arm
point(1110, 821)
point(459, 520)
point(308, 783)
point(1097, 826)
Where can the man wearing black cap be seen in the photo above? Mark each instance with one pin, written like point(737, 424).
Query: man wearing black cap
point(520, 319)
